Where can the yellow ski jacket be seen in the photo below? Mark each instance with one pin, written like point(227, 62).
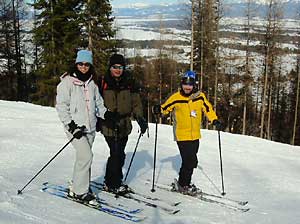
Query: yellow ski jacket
point(187, 114)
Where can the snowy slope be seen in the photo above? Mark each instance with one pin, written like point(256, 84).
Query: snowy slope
point(263, 172)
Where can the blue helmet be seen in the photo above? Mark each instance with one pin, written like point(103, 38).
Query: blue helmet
point(188, 78)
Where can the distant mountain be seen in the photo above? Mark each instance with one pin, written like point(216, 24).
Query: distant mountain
point(233, 8)
point(262, 2)
point(167, 10)
point(289, 8)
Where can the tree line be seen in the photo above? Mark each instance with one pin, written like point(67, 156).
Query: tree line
point(250, 90)
point(31, 69)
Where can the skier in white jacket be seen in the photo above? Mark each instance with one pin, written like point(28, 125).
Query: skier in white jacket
point(78, 104)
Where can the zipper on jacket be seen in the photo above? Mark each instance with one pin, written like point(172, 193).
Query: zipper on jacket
point(116, 129)
point(191, 120)
point(87, 101)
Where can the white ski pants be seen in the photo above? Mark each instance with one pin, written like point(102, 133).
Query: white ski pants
point(83, 162)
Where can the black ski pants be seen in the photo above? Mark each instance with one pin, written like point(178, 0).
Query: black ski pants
point(188, 151)
point(114, 176)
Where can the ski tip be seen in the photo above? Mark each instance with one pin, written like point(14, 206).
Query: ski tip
point(243, 202)
point(177, 203)
point(136, 211)
point(45, 183)
point(246, 210)
point(175, 212)
point(44, 189)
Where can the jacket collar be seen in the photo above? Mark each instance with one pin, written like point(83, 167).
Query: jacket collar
point(78, 82)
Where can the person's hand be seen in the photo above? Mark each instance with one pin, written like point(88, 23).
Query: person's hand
point(75, 130)
point(143, 124)
point(79, 132)
point(72, 126)
point(217, 124)
point(112, 116)
point(156, 109)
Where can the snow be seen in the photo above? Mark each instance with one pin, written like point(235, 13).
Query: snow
point(135, 29)
point(263, 172)
point(151, 52)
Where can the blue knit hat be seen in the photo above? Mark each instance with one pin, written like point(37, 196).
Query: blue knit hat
point(188, 78)
point(84, 56)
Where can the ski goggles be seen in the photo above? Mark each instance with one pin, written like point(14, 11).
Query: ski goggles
point(188, 81)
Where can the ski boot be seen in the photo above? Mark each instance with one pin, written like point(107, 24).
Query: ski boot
point(191, 190)
point(86, 198)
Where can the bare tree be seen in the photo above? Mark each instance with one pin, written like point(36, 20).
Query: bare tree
point(271, 54)
point(297, 98)
point(247, 68)
point(206, 40)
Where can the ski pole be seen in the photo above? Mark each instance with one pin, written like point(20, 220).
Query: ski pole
point(20, 191)
point(137, 143)
point(154, 157)
point(221, 165)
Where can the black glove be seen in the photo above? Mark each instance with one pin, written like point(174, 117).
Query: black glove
point(112, 116)
point(217, 124)
point(72, 126)
point(75, 130)
point(143, 124)
point(156, 109)
point(79, 132)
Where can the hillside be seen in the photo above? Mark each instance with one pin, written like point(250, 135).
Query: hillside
point(263, 172)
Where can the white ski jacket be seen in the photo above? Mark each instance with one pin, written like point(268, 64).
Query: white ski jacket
point(79, 101)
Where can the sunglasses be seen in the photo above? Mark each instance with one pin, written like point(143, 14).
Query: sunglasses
point(83, 64)
point(118, 67)
point(188, 81)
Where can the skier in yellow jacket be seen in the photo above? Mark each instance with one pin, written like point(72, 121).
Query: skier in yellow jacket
point(186, 107)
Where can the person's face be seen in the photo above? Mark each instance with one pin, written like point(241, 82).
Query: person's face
point(187, 89)
point(116, 70)
point(83, 67)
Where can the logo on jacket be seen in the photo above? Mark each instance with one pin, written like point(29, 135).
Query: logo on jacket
point(193, 113)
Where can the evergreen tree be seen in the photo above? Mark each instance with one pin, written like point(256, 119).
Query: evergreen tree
point(7, 73)
point(100, 33)
point(63, 27)
point(57, 34)
point(13, 77)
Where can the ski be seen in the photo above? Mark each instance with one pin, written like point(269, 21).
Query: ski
point(206, 197)
point(96, 205)
point(242, 203)
point(133, 197)
point(119, 207)
point(101, 185)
